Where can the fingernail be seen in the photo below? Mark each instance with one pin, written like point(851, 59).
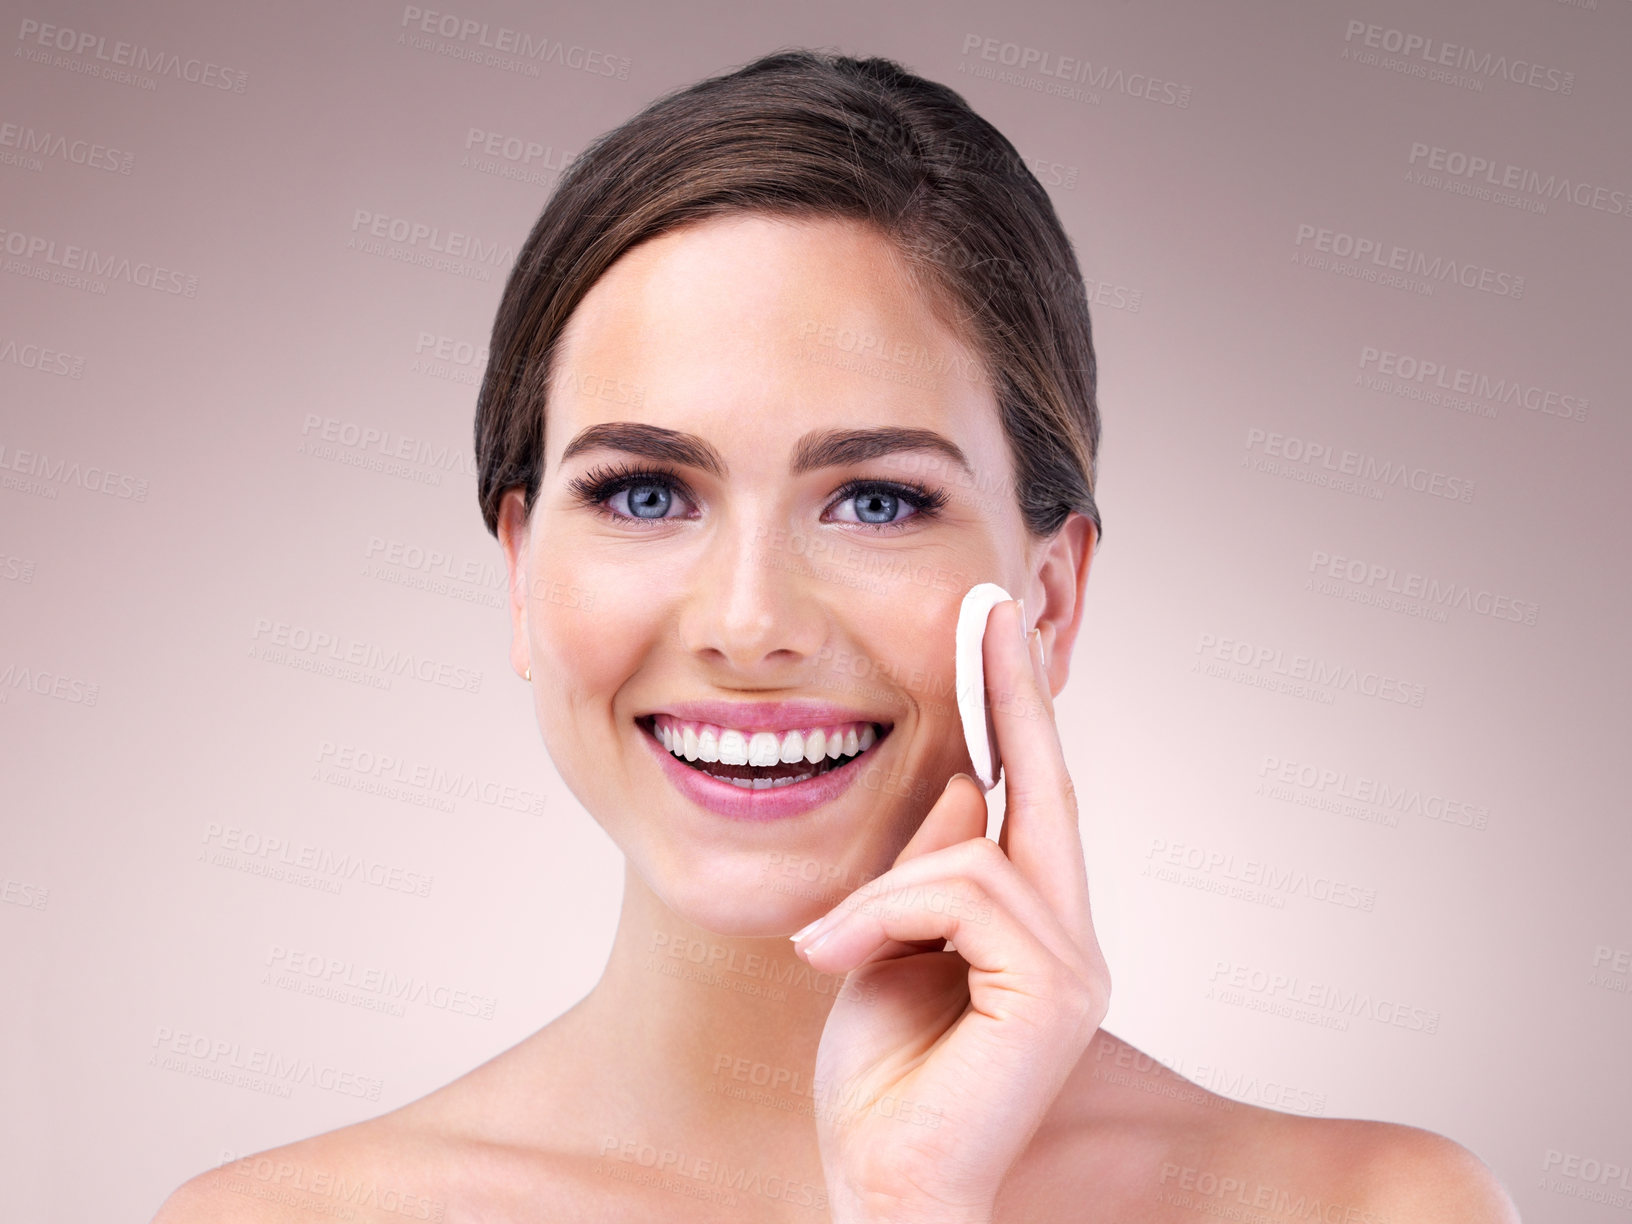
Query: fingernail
point(806, 929)
point(1020, 607)
point(816, 943)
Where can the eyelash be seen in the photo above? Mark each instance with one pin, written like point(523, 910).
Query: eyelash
point(595, 486)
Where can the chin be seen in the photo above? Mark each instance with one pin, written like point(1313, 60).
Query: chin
point(757, 895)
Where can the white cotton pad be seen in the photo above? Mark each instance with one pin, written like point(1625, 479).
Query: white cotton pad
point(978, 732)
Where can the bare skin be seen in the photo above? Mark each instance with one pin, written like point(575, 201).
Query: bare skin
point(1112, 1152)
point(684, 1086)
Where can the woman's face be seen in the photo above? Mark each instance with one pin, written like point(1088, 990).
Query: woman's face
point(758, 367)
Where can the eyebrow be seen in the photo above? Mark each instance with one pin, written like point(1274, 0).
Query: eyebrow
point(817, 449)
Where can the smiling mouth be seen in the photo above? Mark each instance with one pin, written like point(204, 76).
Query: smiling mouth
point(767, 777)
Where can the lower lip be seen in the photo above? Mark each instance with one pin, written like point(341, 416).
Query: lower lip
point(770, 803)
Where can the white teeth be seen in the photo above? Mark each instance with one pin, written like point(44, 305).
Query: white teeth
point(761, 783)
point(763, 749)
point(733, 748)
point(816, 745)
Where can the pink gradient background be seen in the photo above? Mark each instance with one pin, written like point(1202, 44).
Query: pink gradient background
point(117, 925)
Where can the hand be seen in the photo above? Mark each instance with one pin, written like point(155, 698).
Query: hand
point(932, 1081)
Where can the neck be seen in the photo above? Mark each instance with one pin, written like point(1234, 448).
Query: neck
point(718, 1031)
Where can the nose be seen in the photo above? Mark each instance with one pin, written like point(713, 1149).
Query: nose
point(754, 611)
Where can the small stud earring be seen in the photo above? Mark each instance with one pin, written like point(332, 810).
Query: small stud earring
point(528, 675)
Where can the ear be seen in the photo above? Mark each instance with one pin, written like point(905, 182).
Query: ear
point(1059, 577)
point(514, 530)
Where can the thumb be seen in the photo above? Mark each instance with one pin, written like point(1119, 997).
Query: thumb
point(958, 815)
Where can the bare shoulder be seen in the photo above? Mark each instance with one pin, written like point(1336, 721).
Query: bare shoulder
point(1289, 1167)
point(1154, 1146)
point(471, 1150)
point(1405, 1174)
point(375, 1169)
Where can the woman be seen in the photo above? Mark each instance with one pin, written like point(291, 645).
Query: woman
point(791, 361)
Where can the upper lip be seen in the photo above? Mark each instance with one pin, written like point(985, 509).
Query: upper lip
point(767, 715)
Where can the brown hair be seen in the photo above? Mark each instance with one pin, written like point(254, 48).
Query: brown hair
point(805, 134)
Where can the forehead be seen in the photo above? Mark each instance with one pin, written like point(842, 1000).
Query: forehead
point(746, 327)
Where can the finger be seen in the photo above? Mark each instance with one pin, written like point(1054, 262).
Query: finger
point(1013, 973)
point(1034, 644)
point(1040, 833)
point(933, 881)
point(958, 815)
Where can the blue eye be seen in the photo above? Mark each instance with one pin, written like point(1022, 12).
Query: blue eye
point(651, 494)
point(649, 500)
point(878, 501)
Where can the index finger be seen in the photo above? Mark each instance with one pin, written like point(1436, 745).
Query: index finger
point(1040, 832)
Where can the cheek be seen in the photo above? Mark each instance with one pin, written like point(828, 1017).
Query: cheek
point(906, 629)
point(590, 626)
point(582, 654)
